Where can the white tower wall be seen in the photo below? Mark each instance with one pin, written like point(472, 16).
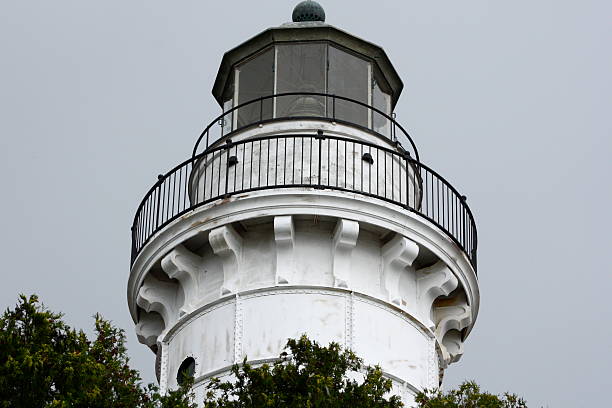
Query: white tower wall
point(237, 278)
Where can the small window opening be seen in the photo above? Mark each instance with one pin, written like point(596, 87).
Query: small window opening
point(186, 370)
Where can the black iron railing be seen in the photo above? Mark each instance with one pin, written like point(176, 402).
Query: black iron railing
point(311, 162)
point(305, 105)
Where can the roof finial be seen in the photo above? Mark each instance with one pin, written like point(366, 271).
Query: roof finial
point(308, 11)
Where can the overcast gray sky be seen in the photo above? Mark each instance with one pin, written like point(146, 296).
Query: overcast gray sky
point(509, 100)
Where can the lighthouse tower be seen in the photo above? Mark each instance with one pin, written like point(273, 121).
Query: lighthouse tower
point(304, 209)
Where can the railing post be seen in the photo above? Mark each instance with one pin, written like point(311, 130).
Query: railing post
point(228, 145)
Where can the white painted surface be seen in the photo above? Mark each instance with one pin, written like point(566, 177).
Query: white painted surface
point(268, 317)
point(237, 279)
point(212, 349)
point(388, 339)
point(271, 319)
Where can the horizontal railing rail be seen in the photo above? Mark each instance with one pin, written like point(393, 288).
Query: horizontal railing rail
point(305, 105)
point(305, 161)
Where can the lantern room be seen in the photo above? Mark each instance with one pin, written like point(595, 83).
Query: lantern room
point(307, 69)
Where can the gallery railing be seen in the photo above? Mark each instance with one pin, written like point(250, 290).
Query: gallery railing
point(305, 105)
point(305, 162)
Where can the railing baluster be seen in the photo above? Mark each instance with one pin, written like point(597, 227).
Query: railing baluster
point(276, 164)
point(406, 179)
point(152, 215)
point(338, 175)
point(384, 172)
point(328, 162)
point(377, 169)
point(243, 160)
point(320, 137)
point(157, 209)
point(251, 169)
point(354, 165)
point(235, 169)
point(293, 161)
point(227, 170)
point(145, 218)
point(393, 180)
point(310, 165)
point(361, 161)
point(167, 184)
point(345, 164)
point(210, 172)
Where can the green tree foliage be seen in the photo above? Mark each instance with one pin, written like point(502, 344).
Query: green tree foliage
point(468, 395)
point(306, 376)
point(310, 376)
point(46, 364)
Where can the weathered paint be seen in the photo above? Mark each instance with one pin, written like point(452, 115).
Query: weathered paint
point(239, 276)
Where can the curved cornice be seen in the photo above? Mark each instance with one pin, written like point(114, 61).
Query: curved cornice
point(302, 201)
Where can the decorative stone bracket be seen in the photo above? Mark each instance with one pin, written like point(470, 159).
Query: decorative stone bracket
point(451, 320)
point(284, 236)
point(432, 282)
point(345, 239)
point(156, 298)
point(226, 243)
point(149, 327)
point(186, 267)
point(397, 254)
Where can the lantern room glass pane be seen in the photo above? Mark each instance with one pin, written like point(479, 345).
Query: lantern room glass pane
point(301, 68)
point(381, 101)
point(349, 76)
point(255, 80)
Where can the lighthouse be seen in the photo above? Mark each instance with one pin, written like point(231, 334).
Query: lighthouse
point(304, 208)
